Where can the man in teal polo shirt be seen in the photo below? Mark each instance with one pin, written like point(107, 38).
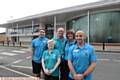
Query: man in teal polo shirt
point(60, 45)
point(38, 46)
point(81, 59)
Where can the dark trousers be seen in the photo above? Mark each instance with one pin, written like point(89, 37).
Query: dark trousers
point(64, 70)
point(37, 69)
point(70, 79)
point(49, 77)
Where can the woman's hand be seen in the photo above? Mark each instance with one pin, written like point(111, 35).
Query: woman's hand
point(47, 72)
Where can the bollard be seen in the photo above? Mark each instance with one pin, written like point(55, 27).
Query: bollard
point(20, 44)
point(13, 43)
point(3, 43)
point(103, 46)
point(8, 43)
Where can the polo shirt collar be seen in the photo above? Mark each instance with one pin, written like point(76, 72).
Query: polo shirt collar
point(84, 46)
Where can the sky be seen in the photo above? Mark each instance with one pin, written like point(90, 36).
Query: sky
point(14, 9)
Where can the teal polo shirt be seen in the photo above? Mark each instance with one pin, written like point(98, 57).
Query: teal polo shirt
point(51, 60)
point(67, 48)
point(81, 59)
point(39, 45)
point(60, 45)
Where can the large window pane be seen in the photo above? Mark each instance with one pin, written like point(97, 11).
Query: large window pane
point(105, 27)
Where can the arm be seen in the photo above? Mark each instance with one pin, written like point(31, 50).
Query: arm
point(43, 64)
point(56, 65)
point(71, 67)
point(76, 76)
point(45, 70)
point(93, 59)
point(90, 69)
point(32, 52)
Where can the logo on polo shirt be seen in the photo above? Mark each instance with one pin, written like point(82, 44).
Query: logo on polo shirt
point(44, 41)
point(76, 50)
point(86, 53)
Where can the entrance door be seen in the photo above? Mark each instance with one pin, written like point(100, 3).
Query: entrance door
point(49, 29)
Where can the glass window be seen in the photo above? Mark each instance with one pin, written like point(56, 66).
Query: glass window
point(104, 27)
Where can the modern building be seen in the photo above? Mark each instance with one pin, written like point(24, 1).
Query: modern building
point(100, 21)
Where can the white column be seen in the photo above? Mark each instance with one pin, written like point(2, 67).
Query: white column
point(7, 34)
point(65, 28)
point(17, 33)
point(32, 26)
point(88, 32)
point(54, 25)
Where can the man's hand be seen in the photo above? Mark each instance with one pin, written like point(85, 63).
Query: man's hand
point(78, 77)
point(81, 77)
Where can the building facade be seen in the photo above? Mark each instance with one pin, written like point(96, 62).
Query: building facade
point(99, 20)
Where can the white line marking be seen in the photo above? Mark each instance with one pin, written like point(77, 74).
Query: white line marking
point(23, 49)
point(22, 66)
point(21, 73)
point(107, 53)
point(20, 60)
point(17, 51)
point(114, 60)
point(28, 57)
point(8, 54)
point(103, 59)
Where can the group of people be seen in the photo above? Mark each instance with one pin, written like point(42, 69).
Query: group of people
point(63, 58)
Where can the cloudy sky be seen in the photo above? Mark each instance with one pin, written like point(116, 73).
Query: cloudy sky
point(13, 9)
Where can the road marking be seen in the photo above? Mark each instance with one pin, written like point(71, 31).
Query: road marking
point(8, 54)
point(114, 60)
point(21, 73)
point(20, 60)
point(21, 66)
point(106, 53)
point(28, 57)
point(23, 49)
point(103, 59)
point(17, 51)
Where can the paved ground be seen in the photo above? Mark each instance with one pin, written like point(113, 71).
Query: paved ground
point(16, 62)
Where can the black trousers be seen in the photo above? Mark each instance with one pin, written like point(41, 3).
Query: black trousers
point(49, 77)
point(64, 70)
point(70, 79)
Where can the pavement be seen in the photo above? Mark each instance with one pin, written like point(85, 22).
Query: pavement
point(15, 62)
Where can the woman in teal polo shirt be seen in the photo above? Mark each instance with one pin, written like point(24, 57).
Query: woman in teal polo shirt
point(50, 62)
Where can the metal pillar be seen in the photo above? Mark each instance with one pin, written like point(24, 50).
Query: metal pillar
point(54, 25)
point(17, 34)
point(32, 26)
point(88, 32)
